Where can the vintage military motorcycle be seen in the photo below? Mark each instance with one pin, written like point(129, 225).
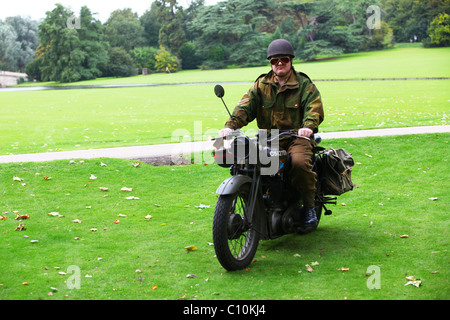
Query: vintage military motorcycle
point(257, 202)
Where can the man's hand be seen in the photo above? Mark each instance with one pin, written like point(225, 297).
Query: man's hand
point(225, 132)
point(305, 132)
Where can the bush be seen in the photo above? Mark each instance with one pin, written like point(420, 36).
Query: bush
point(439, 30)
point(189, 59)
point(33, 69)
point(120, 63)
point(144, 57)
point(165, 61)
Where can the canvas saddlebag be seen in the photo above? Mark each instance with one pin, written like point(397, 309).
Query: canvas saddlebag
point(336, 171)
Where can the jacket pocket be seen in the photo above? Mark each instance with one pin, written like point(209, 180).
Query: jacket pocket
point(295, 109)
point(264, 116)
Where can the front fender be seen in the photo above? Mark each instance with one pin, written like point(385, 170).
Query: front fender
point(232, 184)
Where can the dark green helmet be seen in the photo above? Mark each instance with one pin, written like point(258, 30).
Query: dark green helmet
point(280, 47)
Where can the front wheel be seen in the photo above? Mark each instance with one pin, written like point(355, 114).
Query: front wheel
point(235, 238)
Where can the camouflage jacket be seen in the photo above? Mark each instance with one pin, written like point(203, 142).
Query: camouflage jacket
point(297, 104)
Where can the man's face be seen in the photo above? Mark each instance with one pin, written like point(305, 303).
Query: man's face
point(281, 65)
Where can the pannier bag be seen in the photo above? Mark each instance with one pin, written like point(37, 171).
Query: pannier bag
point(337, 169)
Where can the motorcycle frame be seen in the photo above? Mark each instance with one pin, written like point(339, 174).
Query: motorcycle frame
point(243, 173)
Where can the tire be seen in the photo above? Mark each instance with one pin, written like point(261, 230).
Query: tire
point(235, 238)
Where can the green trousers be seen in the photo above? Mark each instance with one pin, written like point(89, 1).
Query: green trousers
point(301, 175)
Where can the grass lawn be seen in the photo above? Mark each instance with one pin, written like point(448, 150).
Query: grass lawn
point(60, 120)
point(403, 62)
point(144, 258)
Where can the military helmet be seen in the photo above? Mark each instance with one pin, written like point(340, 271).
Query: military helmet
point(280, 47)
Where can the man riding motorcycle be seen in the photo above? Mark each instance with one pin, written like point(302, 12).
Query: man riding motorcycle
point(285, 99)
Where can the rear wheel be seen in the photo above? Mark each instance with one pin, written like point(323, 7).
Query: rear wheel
point(235, 238)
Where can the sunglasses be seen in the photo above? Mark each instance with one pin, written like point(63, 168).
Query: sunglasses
point(284, 60)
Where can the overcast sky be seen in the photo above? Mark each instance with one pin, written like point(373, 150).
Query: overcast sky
point(36, 9)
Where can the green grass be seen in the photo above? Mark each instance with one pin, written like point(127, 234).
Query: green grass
point(404, 62)
point(60, 120)
point(395, 177)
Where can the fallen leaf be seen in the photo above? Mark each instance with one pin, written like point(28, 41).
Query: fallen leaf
point(191, 276)
point(126, 189)
point(20, 227)
point(404, 236)
point(148, 217)
point(17, 179)
point(104, 189)
point(416, 283)
point(308, 268)
point(202, 206)
point(93, 229)
point(410, 278)
point(102, 164)
point(55, 214)
point(117, 221)
point(433, 198)
point(92, 177)
point(343, 269)
point(22, 216)
point(76, 221)
point(190, 248)
point(138, 271)
point(155, 287)
point(3, 218)
point(136, 164)
point(24, 283)
point(132, 198)
point(47, 178)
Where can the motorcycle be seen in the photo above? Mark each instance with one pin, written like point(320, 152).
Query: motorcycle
point(257, 202)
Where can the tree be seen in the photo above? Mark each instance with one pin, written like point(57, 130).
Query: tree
point(149, 21)
point(124, 29)
point(92, 43)
point(69, 54)
point(410, 19)
point(144, 57)
point(189, 58)
point(170, 16)
point(9, 48)
point(340, 26)
point(120, 63)
point(62, 53)
point(439, 30)
point(26, 38)
point(231, 32)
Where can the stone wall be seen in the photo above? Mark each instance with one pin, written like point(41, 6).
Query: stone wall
point(10, 78)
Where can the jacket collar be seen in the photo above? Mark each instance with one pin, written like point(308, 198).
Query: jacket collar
point(292, 83)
